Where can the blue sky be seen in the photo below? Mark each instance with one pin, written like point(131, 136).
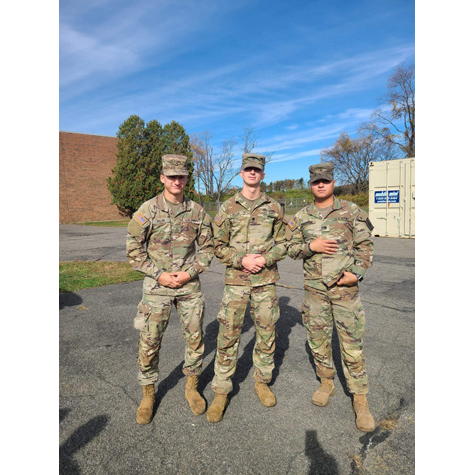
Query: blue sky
point(299, 73)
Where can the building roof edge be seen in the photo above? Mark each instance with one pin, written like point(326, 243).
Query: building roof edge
point(82, 133)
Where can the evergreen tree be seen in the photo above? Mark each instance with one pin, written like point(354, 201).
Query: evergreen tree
point(128, 178)
point(136, 176)
point(154, 149)
point(176, 141)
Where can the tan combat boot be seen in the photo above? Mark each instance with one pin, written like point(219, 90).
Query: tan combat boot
point(322, 394)
point(364, 419)
point(265, 394)
point(196, 402)
point(216, 410)
point(145, 410)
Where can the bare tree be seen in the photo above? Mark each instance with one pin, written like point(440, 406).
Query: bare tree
point(351, 157)
point(398, 121)
point(269, 156)
point(213, 171)
point(226, 171)
point(249, 139)
point(203, 156)
point(249, 142)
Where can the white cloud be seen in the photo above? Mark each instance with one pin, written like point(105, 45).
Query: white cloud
point(125, 40)
point(82, 56)
point(259, 89)
point(266, 108)
point(284, 157)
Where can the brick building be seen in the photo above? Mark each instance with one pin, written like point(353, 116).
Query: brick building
point(85, 163)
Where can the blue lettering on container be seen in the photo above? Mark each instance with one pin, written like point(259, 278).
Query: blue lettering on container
point(381, 197)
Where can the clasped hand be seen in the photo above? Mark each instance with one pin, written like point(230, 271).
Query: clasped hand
point(325, 246)
point(348, 278)
point(174, 280)
point(253, 263)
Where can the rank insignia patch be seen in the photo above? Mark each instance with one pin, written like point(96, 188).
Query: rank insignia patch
point(141, 219)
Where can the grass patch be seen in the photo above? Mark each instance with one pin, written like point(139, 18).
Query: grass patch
point(358, 462)
point(79, 275)
point(390, 423)
point(109, 224)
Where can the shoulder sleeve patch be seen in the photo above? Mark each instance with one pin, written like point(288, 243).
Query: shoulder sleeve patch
point(218, 220)
point(291, 224)
point(363, 217)
point(141, 219)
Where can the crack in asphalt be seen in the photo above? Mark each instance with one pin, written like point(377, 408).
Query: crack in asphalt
point(397, 309)
point(372, 439)
point(118, 249)
point(402, 261)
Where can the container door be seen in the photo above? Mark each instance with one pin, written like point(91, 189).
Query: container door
point(378, 198)
point(392, 198)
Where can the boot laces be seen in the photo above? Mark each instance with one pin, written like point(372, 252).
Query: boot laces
point(192, 382)
point(221, 398)
point(361, 403)
point(327, 385)
point(149, 390)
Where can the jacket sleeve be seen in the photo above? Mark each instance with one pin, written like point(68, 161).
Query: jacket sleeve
point(362, 243)
point(297, 248)
point(205, 243)
point(279, 249)
point(225, 253)
point(138, 231)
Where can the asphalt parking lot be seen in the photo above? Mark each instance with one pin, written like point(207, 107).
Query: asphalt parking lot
point(99, 393)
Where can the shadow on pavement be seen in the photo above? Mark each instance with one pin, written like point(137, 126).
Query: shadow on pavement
point(63, 413)
point(78, 439)
point(69, 299)
point(320, 461)
point(289, 317)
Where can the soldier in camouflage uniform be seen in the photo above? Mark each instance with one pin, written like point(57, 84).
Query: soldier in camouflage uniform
point(333, 237)
point(161, 244)
point(249, 240)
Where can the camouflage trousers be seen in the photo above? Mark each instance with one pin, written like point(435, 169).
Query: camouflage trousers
point(153, 313)
point(264, 306)
point(343, 306)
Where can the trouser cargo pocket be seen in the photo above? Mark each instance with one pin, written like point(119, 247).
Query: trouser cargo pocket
point(141, 320)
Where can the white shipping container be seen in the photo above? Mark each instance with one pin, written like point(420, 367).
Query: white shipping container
point(392, 198)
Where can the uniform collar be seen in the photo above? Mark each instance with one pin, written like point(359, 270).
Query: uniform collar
point(163, 205)
point(313, 210)
point(263, 198)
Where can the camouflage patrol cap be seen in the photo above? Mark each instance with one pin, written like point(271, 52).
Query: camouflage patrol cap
point(253, 160)
point(174, 165)
point(321, 171)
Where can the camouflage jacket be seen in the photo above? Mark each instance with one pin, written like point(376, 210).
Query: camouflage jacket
point(159, 242)
point(346, 223)
point(239, 232)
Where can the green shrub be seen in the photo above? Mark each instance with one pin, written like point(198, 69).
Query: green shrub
point(361, 199)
